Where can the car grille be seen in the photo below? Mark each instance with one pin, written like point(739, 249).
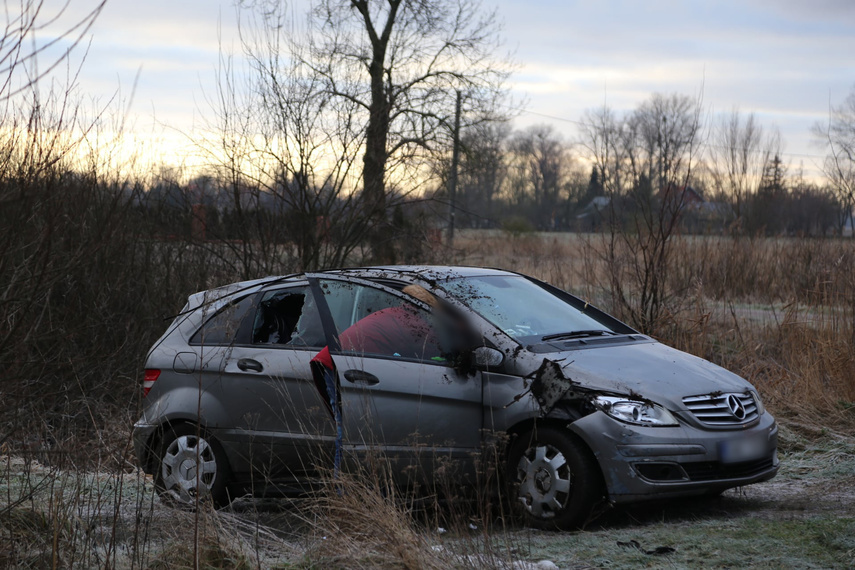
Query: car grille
point(715, 471)
point(723, 410)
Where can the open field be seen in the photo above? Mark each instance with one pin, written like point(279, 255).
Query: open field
point(805, 518)
point(780, 312)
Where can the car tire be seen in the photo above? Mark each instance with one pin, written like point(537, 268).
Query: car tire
point(178, 478)
point(554, 480)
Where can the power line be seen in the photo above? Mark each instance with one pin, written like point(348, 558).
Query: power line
point(564, 119)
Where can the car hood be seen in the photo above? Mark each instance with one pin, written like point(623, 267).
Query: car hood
point(651, 370)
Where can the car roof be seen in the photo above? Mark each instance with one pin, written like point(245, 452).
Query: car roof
point(428, 273)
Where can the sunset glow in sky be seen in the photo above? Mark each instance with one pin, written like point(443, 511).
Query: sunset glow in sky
point(782, 59)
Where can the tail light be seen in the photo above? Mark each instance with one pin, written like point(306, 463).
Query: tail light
point(149, 379)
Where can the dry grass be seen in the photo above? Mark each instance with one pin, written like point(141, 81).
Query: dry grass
point(355, 524)
point(361, 519)
point(779, 312)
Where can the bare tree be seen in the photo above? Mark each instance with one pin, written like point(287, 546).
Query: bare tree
point(838, 137)
point(602, 138)
point(663, 139)
point(33, 138)
point(401, 62)
point(540, 163)
point(484, 168)
point(481, 175)
point(739, 150)
point(646, 161)
point(22, 63)
point(286, 153)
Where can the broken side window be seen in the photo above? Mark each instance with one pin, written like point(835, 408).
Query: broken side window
point(288, 317)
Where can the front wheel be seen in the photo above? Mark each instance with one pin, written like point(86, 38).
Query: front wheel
point(192, 468)
point(553, 478)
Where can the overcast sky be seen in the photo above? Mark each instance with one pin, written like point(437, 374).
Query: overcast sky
point(783, 59)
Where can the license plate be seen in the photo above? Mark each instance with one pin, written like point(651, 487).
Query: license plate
point(742, 449)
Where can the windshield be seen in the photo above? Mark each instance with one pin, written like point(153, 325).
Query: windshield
point(524, 310)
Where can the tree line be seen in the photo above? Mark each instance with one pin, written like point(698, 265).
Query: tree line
point(730, 173)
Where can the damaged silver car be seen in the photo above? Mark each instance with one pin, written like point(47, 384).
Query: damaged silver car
point(430, 365)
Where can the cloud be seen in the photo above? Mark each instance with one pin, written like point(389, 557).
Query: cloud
point(780, 58)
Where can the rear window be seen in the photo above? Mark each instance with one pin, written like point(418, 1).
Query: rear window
point(222, 328)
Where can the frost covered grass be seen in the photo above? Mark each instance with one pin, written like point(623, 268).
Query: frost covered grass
point(804, 518)
point(816, 542)
point(65, 518)
point(51, 518)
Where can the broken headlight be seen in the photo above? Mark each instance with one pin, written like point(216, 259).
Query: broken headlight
point(635, 412)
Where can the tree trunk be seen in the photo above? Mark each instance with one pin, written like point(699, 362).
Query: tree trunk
point(377, 134)
point(374, 170)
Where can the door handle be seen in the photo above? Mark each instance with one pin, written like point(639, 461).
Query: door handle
point(361, 377)
point(249, 364)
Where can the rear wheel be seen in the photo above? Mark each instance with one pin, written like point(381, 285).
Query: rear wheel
point(192, 468)
point(554, 479)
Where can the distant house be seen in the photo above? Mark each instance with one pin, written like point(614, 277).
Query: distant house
point(598, 204)
point(685, 204)
point(712, 216)
point(696, 214)
point(592, 215)
point(680, 197)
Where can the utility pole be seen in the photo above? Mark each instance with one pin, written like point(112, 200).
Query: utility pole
point(452, 177)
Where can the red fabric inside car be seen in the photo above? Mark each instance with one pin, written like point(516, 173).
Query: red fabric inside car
point(394, 331)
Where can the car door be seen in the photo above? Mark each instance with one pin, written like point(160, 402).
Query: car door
point(400, 394)
point(277, 411)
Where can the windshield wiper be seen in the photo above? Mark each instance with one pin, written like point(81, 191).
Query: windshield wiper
point(578, 334)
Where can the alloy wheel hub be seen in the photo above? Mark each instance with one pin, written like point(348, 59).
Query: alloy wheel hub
point(545, 481)
point(189, 468)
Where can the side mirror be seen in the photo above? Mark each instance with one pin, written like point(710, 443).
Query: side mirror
point(486, 357)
